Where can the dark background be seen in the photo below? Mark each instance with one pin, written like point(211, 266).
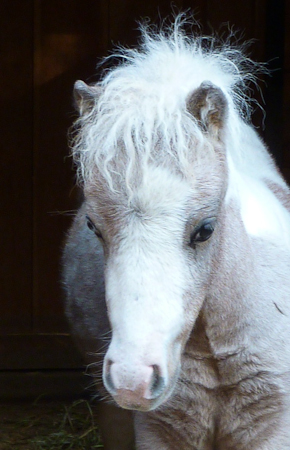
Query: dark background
point(45, 47)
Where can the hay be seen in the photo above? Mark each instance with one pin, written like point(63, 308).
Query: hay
point(53, 426)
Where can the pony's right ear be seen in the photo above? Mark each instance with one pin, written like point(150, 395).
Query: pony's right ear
point(86, 96)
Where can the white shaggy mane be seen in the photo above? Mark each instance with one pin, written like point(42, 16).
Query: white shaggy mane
point(142, 105)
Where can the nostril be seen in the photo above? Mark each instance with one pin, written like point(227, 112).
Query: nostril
point(157, 383)
point(108, 377)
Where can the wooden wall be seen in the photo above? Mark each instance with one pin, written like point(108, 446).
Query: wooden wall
point(46, 46)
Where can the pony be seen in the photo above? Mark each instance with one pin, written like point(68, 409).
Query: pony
point(176, 266)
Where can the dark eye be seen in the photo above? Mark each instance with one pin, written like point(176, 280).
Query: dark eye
point(92, 227)
point(203, 232)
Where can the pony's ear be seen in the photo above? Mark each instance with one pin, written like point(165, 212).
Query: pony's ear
point(85, 96)
point(208, 104)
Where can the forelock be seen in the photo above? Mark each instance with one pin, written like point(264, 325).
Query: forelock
point(141, 115)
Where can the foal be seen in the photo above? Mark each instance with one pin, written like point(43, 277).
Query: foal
point(182, 250)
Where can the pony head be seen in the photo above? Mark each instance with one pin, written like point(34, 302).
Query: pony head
point(152, 156)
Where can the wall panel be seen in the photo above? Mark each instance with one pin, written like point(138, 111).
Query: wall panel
point(16, 78)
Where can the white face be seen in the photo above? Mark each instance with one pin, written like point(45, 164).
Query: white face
point(158, 251)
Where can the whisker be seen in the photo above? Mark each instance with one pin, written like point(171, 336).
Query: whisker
point(69, 212)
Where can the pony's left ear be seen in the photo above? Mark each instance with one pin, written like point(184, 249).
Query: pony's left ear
point(86, 96)
point(208, 104)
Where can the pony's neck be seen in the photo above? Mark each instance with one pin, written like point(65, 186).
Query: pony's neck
point(252, 172)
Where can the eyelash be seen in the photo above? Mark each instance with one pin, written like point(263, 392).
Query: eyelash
point(203, 232)
point(92, 227)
